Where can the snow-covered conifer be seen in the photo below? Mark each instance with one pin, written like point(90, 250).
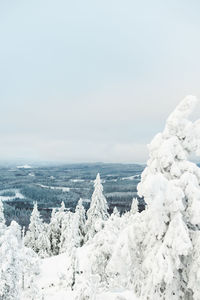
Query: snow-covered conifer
point(56, 228)
point(11, 263)
point(36, 236)
point(43, 243)
point(34, 229)
point(194, 267)
point(78, 225)
point(170, 187)
point(126, 257)
point(98, 210)
point(134, 206)
point(66, 239)
point(30, 272)
point(53, 233)
point(159, 241)
point(115, 212)
point(98, 251)
point(2, 219)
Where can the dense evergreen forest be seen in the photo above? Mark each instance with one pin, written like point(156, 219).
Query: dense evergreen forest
point(21, 186)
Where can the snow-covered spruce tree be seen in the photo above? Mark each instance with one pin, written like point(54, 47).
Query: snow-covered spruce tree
point(36, 236)
point(115, 212)
point(134, 206)
point(44, 245)
point(73, 229)
point(53, 234)
point(194, 266)
point(98, 210)
point(170, 185)
point(66, 241)
point(71, 268)
point(2, 219)
point(124, 267)
point(72, 237)
point(30, 272)
point(56, 229)
point(78, 224)
point(11, 263)
point(34, 229)
point(93, 257)
point(103, 245)
point(158, 247)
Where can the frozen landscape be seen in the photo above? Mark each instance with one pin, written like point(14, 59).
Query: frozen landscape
point(49, 185)
point(96, 255)
point(99, 150)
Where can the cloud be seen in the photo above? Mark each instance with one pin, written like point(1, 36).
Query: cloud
point(95, 82)
point(111, 125)
point(32, 148)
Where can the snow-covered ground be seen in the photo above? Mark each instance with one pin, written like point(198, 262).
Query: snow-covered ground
point(77, 180)
point(117, 295)
point(120, 194)
point(50, 282)
point(64, 189)
point(52, 271)
point(56, 293)
point(131, 177)
point(9, 198)
point(31, 174)
point(86, 200)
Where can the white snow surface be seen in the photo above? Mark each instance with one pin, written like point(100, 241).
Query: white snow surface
point(131, 177)
point(64, 189)
point(10, 198)
point(51, 283)
point(117, 295)
point(77, 180)
point(31, 174)
point(52, 270)
point(55, 293)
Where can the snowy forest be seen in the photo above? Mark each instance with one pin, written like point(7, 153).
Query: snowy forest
point(94, 255)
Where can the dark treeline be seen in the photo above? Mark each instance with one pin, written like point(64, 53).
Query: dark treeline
point(21, 187)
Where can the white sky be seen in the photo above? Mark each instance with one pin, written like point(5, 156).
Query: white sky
point(93, 80)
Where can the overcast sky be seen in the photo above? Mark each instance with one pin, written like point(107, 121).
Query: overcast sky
point(93, 80)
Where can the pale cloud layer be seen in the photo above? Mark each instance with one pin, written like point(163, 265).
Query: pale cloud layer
point(93, 81)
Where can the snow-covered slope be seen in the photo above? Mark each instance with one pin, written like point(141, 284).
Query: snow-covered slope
point(53, 269)
point(51, 283)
